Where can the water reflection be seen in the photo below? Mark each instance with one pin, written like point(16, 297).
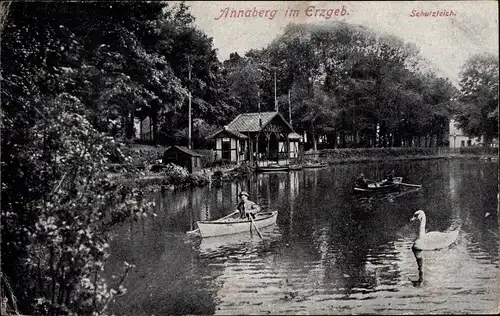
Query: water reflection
point(329, 252)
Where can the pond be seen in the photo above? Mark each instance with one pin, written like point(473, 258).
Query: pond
point(332, 251)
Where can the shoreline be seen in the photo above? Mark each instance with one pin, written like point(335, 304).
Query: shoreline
point(423, 157)
point(229, 174)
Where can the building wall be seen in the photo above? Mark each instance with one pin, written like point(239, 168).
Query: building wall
point(457, 138)
point(234, 143)
point(233, 149)
point(218, 149)
point(143, 129)
point(241, 150)
point(294, 149)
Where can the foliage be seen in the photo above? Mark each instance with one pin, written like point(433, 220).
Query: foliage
point(180, 176)
point(208, 157)
point(143, 155)
point(353, 153)
point(346, 82)
point(55, 233)
point(478, 115)
point(72, 83)
point(244, 79)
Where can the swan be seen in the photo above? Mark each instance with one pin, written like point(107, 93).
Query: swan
point(431, 240)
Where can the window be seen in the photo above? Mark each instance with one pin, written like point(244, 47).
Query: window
point(469, 142)
point(226, 148)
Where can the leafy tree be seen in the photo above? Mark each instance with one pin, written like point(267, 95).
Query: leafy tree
point(377, 90)
point(317, 114)
point(66, 100)
point(244, 79)
point(478, 115)
point(194, 61)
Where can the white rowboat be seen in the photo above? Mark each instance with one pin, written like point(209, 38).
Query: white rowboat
point(233, 225)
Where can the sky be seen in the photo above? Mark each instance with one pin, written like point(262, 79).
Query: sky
point(446, 41)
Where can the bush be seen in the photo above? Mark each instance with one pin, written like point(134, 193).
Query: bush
point(208, 157)
point(479, 150)
point(175, 174)
point(143, 155)
point(346, 153)
point(180, 176)
point(199, 179)
point(244, 167)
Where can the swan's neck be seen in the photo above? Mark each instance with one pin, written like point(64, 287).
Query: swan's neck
point(421, 232)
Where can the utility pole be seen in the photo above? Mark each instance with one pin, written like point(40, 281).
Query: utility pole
point(260, 117)
point(275, 100)
point(189, 104)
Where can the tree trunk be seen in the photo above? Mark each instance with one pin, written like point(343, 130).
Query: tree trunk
point(154, 124)
point(130, 128)
point(334, 143)
point(313, 134)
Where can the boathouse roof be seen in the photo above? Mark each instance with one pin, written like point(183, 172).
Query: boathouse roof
point(249, 122)
point(225, 130)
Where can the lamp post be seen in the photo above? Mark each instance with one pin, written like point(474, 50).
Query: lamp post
point(454, 140)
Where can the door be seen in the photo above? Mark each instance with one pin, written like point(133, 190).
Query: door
point(226, 149)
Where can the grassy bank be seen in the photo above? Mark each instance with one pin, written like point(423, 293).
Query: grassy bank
point(361, 155)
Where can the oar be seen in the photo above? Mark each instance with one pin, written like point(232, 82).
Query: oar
point(411, 185)
point(255, 226)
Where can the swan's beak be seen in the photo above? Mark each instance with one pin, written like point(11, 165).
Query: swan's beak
point(412, 219)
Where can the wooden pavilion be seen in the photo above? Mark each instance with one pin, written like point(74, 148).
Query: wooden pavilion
point(261, 138)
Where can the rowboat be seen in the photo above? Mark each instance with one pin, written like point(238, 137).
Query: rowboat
point(272, 168)
point(234, 242)
point(381, 186)
point(314, 165)
point(295, 167)
point(233, 224)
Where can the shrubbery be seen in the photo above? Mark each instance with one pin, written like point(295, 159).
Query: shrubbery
point(145, 155)
point(346, 153)
point(478, 150)
point(208, 157)
point(180, 176)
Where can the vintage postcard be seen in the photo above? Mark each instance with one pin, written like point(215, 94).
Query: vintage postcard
point(249, 157)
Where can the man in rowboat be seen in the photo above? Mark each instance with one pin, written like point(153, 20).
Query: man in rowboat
point(247, 207)
point(389, 178)
point(361, 181)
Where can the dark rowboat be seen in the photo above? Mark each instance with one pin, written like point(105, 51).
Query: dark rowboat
point(381, 186)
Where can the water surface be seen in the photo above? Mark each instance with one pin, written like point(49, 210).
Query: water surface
point(331, 251)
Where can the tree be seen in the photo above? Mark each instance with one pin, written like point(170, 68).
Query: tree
point(244, 79)
point(318, 114)
point(381, 90)
point(478, 115)
point(61, 97)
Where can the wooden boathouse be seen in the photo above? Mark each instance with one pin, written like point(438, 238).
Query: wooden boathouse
point(260, 138)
